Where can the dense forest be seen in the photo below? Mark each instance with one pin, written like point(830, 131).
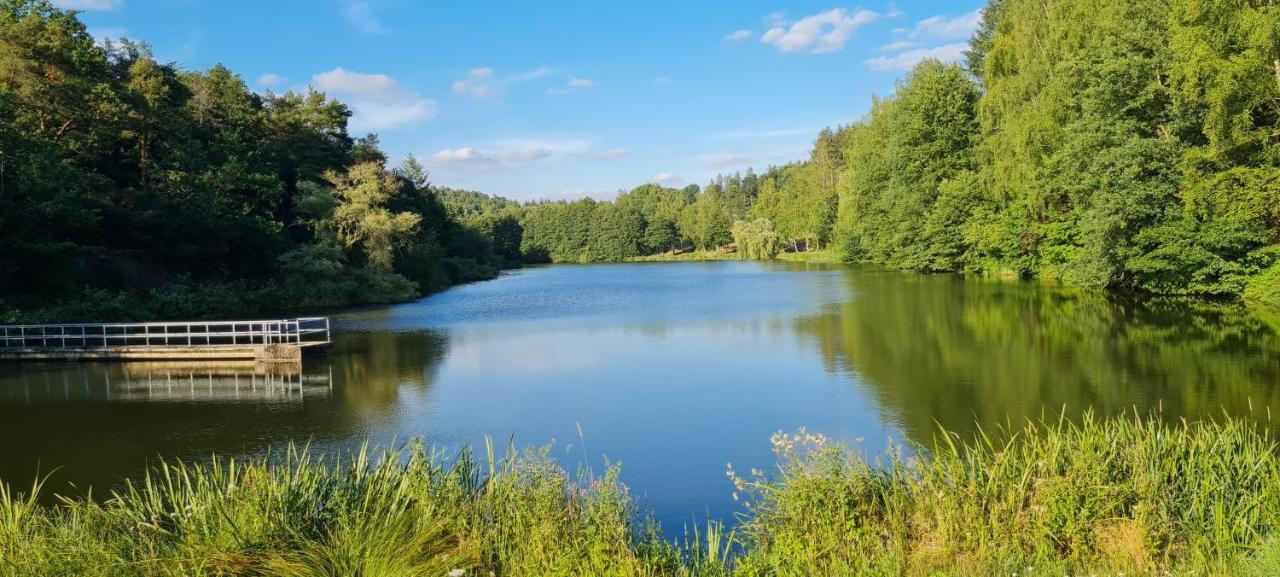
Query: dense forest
point(1129, 145)
point(133, 189)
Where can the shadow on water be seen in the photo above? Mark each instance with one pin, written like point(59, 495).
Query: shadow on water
point(956, 351)
point(88, 426)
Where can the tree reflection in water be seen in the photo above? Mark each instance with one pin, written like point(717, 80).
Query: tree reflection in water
point(956, 351)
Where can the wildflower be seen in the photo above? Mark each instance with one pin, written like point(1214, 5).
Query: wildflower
point(456, 573)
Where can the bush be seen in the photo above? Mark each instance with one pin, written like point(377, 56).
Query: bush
point(316, 276)
point(1264, 288)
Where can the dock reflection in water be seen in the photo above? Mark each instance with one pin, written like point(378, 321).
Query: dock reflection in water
point(176, 382)
point(89, 426)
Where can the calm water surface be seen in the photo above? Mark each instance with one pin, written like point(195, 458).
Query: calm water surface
point(672, 369)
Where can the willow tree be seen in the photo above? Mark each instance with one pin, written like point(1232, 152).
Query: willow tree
point(756, 239)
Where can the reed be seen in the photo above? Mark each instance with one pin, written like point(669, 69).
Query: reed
point(1089, 496)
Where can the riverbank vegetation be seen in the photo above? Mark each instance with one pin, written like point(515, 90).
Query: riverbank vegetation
point(1126, 145)
point(1132, 146)
point(1109, 496)
point(135, 189)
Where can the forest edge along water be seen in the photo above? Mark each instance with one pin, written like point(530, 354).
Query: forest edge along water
point(662, 364)
point(754, 416)
point(672, 370)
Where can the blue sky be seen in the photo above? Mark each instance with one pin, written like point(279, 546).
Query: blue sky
point(563, 99)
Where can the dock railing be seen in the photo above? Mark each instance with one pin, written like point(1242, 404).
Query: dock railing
point(100, 336)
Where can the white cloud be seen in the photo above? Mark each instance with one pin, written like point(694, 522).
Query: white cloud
point(468, 154)
point(610, 154)
point(270, 80)
point(502, 154)
point(905, 60)
point(823, 32)
point(738, 35)
point(573, 84)
point(377, 86)
point(477, 84)
point(89, 4)
point(463, 154)
point(667, 178)
point(483, 83)
point(377, 101)
point(943, 28)
point(360, 15)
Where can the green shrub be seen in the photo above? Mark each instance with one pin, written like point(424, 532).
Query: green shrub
point(1265, 287)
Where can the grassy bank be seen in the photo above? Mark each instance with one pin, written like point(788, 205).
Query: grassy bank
point(823, 256)
point(1101, 496)
point(691, 255)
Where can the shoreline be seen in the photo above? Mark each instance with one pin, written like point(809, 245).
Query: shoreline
point(1118, 494)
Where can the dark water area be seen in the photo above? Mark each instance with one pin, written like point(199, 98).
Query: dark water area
point(672, 370)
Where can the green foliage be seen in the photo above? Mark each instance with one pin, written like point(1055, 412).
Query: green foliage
point(1125, 145)
point(464, 204)
point(1265, 287)
point(1119, 495)
point(706, 221)
point(362, 218)
point(911, 145)
point(133, 180)
point(315, 276)
point(1099, 496)
point(756, 239)
point(617, 233)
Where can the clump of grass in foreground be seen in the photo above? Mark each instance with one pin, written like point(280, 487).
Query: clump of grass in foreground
point(405, 513)
point(1098, 496)
point(1109, 497)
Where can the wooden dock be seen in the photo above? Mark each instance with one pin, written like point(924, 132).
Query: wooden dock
point(263, 341)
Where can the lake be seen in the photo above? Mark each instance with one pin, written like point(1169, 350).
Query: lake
point(672, 370)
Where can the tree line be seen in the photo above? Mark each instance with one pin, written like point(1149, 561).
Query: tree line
point(1127, 145)
point(133, 189)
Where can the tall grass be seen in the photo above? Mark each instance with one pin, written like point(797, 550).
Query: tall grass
point(1095, 496)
